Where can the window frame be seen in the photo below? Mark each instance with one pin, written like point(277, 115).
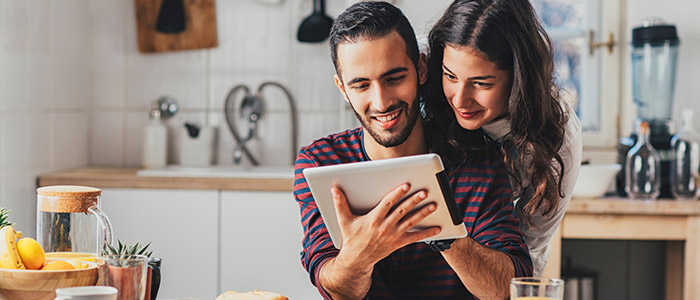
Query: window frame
point(611, 21)
point(600, 71)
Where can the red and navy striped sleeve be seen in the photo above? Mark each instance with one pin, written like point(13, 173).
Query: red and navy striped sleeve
point(483, 192)
point(317, 246)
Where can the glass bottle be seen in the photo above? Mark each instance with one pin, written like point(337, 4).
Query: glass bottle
point(643, 168)
point(686, 160)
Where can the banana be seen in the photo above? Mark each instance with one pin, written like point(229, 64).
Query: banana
point(9, 257)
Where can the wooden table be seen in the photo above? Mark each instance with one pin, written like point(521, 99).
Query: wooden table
point(676, 222)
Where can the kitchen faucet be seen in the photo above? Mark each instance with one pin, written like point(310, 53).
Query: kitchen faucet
point(251, 110)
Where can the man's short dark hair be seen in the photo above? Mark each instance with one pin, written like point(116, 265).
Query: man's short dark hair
point(369, 20)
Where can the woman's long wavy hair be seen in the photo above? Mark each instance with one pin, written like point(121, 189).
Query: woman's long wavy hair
point(509, 34)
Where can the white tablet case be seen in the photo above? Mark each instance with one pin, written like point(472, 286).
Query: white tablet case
point(366, 183)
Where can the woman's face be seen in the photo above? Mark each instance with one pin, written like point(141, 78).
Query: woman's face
point(475, 88)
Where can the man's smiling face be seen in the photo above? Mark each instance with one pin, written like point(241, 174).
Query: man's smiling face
point(380, 82)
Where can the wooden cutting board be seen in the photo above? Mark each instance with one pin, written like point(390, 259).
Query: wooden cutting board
point(200, 27)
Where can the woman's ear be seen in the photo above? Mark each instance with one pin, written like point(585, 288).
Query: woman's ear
point(422, 69)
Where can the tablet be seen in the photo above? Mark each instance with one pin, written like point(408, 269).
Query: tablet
point(366, 183)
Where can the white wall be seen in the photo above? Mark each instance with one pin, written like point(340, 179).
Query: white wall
point(45, 97)
point(257, 43)
point(75, 91)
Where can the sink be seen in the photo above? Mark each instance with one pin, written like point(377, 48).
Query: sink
point(227, 171)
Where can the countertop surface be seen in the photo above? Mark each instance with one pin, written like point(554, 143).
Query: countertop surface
point(128, 178)
point(624, 206)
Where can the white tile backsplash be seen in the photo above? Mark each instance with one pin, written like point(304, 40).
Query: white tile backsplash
point(109, 61)
point(15, 45)
point(313, 77)
point(70, 139)
point(20, 198)
point(106, 144)
point(41, 143)
point(135, 122)
point(178, 74)
point(15, 86)
point(253, 38)
point(16, 140)
point(314, 125)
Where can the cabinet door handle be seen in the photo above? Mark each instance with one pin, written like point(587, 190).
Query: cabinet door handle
point(592, 44)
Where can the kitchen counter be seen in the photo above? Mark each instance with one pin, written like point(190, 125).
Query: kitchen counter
point(128, 178)
point(675, 222)
point(626, 206)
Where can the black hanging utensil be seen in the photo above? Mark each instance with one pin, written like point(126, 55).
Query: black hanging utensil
point(192, 130)
point(171, 17)
point(316, 27)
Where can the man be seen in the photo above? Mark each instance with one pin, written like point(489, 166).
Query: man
point(378, 71)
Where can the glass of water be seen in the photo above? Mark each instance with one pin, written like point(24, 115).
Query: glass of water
point(532, 288)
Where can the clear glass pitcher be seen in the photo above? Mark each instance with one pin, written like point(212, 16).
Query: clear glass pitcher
point(70, 223)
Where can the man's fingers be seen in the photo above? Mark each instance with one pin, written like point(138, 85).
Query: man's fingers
point(406, 206)
point(342, 210)
point(415, 218)
point(416, 236)
point(393, 197)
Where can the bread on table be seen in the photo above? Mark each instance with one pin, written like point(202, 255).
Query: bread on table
point(255, 295)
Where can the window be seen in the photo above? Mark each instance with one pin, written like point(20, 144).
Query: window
point(588, 77)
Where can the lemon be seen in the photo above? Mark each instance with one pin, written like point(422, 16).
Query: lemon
point(31, 253)
point(78, 264)
point(58, 265)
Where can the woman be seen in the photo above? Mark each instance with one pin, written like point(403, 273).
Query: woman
point(491, 72)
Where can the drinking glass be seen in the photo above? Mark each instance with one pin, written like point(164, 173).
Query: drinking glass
point(532, 288)
point(127, 273)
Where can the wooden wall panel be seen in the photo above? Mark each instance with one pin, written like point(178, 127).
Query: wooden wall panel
point(200, 27)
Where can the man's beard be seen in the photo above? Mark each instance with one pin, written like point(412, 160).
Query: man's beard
point(398, 137)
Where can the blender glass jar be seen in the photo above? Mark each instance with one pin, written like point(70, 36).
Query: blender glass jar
point(70, 223)
point(654, 55)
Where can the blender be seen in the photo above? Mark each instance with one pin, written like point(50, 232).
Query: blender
point(654, 55)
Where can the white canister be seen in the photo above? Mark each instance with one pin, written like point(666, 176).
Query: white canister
point(87, 293)
point(199, 150)
point(155, 145)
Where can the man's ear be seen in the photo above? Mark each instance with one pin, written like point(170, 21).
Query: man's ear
point(341, 87)
point(422, 69)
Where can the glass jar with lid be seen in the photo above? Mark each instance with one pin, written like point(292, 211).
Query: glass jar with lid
point(70, 223)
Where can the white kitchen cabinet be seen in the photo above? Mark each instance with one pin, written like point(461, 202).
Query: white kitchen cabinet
point(260, 244)
point(183, 228)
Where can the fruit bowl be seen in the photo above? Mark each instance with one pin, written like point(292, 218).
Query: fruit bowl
point(42, 285)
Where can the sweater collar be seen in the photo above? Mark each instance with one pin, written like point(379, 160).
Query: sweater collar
point(497, 129)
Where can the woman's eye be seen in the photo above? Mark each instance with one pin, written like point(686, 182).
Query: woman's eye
point(482, 84)
point(449, 76)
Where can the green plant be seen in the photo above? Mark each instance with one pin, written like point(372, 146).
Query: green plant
point(3, 218)
point(124, 250)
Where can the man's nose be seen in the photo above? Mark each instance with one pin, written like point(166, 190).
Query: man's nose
point(380, 99)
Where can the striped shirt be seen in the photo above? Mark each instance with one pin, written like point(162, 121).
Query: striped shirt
point(483, 195)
